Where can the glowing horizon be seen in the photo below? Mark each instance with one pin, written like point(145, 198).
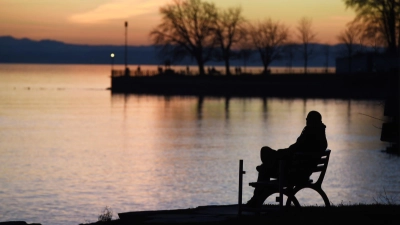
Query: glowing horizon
point(101, 22)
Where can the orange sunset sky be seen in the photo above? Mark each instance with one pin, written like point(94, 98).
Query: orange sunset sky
point(101, 22)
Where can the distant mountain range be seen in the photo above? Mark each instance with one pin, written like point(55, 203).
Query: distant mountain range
point(24, 50)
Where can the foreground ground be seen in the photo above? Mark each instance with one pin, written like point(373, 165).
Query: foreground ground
point(228, 214)
point(355, 214)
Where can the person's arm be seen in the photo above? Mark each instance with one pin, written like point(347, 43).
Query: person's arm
point(293, 148)
point(323, 141)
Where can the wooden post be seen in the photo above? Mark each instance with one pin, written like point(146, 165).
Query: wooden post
point(241, 172)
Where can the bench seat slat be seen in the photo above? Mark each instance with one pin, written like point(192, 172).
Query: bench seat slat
point(273, 183)
point(319, 168)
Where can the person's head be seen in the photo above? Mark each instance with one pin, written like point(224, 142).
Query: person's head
point(314, 118)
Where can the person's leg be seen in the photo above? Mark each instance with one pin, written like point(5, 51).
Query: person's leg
point(266, 170)
point(269, 159)
point(283, 153)
point(270, 165)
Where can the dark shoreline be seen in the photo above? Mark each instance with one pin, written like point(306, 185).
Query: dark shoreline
point(227, 214)
point(346, 86)
point(366, 214)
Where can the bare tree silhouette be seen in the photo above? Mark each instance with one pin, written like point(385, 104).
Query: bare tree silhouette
point(307, 36)
point(290, 49)
point(245, 54)
point(268, 38)
point(187, 29)
point(327, 51)
point(229, 32)
point(351, 37)
point(381, 19)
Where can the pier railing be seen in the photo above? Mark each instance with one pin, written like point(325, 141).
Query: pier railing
point(118, 73)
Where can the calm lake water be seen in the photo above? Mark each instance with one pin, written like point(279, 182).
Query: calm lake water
point(69, 148)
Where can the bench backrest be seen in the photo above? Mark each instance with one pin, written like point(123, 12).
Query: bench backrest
point(305, 164)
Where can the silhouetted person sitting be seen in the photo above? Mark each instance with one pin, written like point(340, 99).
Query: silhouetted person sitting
point(312, 139)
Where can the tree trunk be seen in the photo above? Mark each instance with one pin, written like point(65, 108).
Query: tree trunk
point(266, 65)
point(350, 52)
point(305, 62)
point(200, 63)
point(398, 38)
point(201, 68)
point(228, 72)
point(305, 58)
point(391, 21)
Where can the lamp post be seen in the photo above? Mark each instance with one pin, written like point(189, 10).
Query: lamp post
point(112, 63)
point(126, 44)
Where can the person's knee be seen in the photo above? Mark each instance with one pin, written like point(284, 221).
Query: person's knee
point(266, 153)
point(266, 149)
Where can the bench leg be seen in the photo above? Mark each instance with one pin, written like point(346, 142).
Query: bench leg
point(293, 199)
point(324, 197)
point(317, 189)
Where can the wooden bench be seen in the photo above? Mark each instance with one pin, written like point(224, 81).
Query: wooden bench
point(288, 183)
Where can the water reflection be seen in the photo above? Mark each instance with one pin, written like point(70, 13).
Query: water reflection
point(227, 100)
point(344, 117)
point(201, 138)
point(200, 108)
point(69, 147)
point(143, 152)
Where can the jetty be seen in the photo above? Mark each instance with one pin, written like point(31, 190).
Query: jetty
point(313, 85)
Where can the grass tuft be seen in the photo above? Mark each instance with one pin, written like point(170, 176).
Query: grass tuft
point(106, 215)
